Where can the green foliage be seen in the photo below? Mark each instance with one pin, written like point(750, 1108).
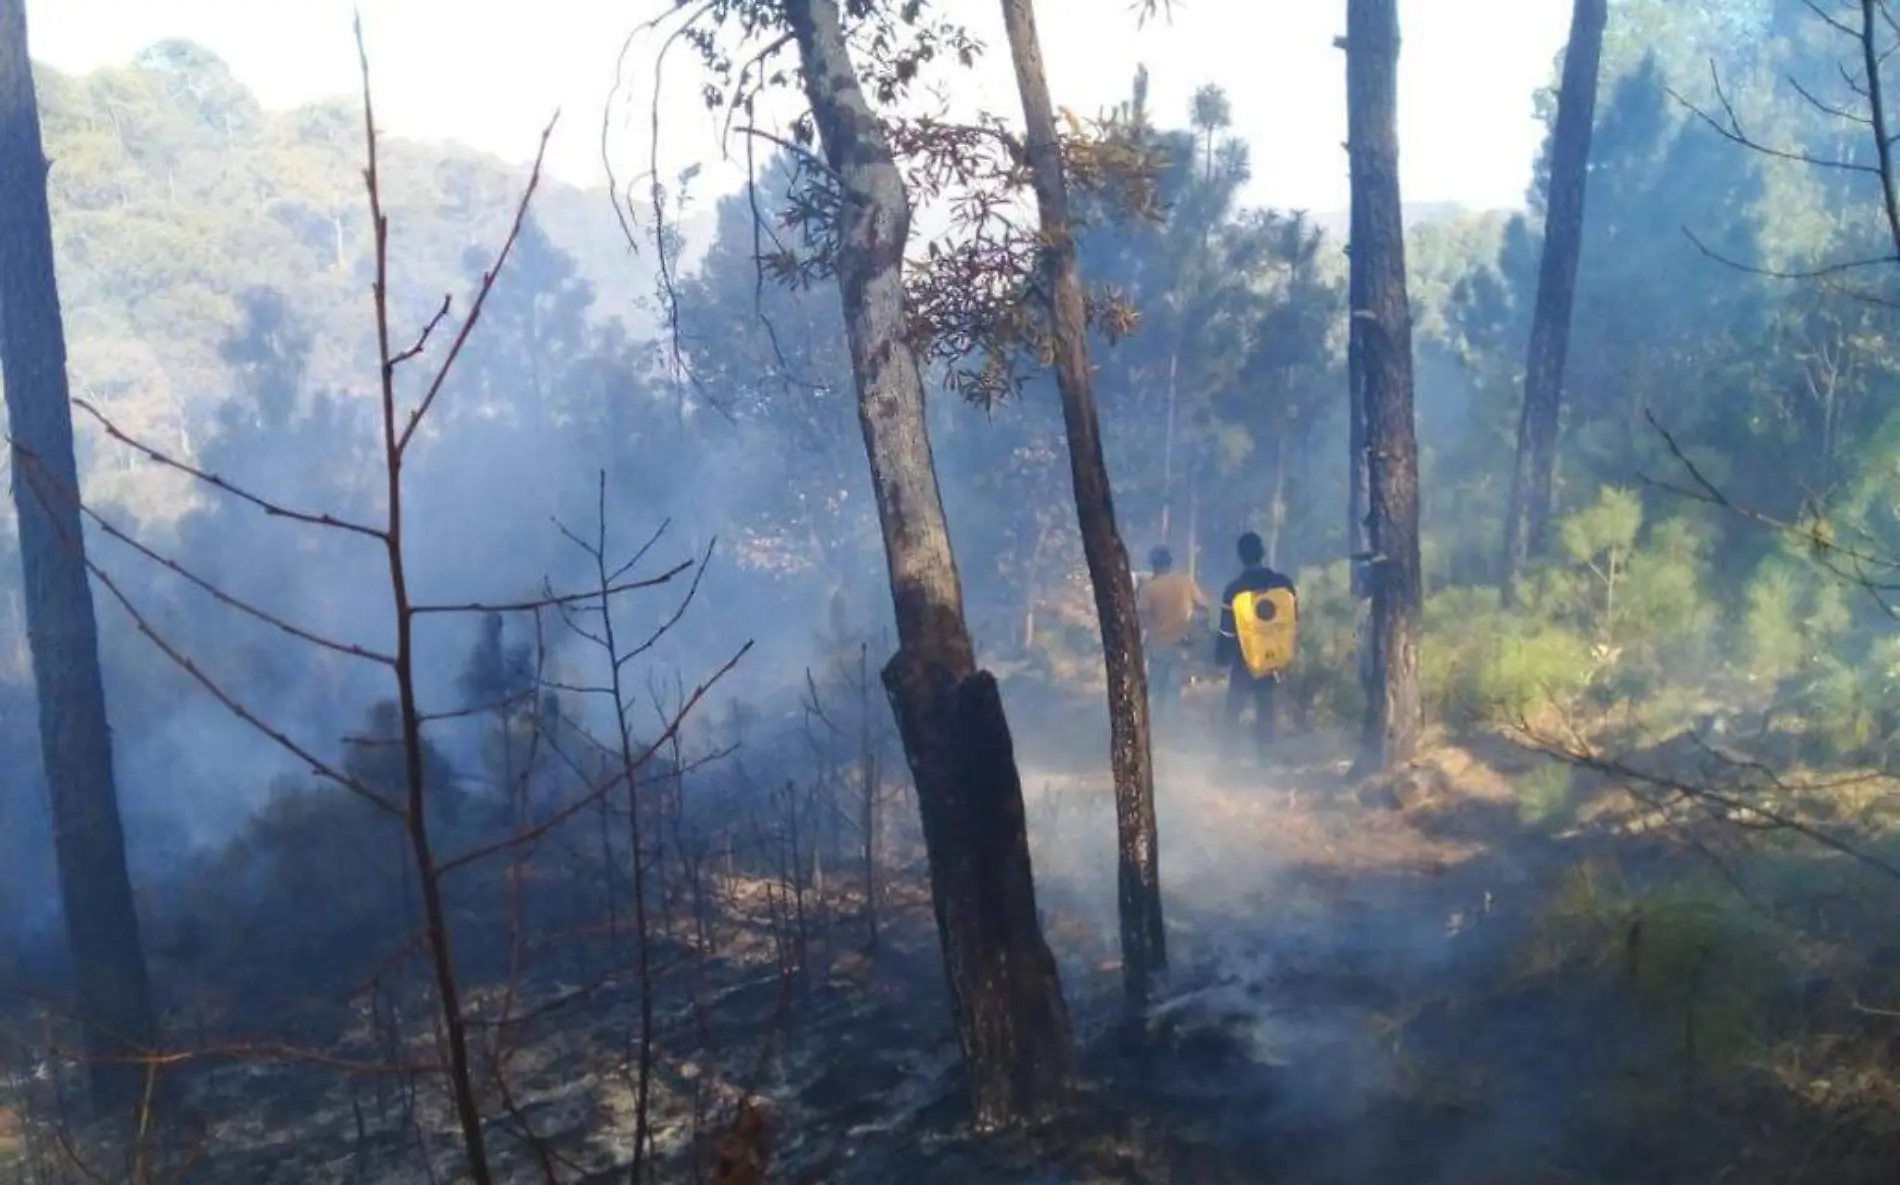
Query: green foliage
point(1603, 534)
point(1481, 666)
point(175, 195)
point(1792, 614)
point(1846, 702)
point(1621, 612)
point(1636, 591)
point(1231, 385)
point(1705, 969)
point(1544, 792)
point(332, 861)
point(210, 333)
point(1324, 677)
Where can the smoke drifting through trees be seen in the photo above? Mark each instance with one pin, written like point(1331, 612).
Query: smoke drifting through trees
point(1011, 1019)
point(115, 995)
point(1655, 632)
point(1131, 757)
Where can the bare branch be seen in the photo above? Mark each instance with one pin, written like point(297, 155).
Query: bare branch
point(273, 509)
point(114, 531)
point(1826, 272)
point(574, 806)
point(1729, 127)
point(805, 155)
point(232, 704)
point(1825, 107)
point(553, 601)
point(1820, 542)
point(667, 286)
point(1737, 809)
point(1870, 88)
point(428, 329)
point(481, 298)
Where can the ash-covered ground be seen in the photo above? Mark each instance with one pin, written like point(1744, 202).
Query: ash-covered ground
point(1365, 987)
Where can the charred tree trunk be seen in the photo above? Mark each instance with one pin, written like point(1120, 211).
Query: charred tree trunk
point(1143, 941)
point(1011, 1020)
point(102, 926)
point(1358, 549)
point(1527, 523)
point(1357, 494)
point(1384, 319)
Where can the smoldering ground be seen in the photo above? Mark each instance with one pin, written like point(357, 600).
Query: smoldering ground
point(1379, 982)
point(1346, 1003)
point(1333, 1008)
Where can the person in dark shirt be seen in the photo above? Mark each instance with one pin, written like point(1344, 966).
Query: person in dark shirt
point(1242, 687)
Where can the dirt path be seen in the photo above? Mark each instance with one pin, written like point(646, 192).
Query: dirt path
point(1312, 933)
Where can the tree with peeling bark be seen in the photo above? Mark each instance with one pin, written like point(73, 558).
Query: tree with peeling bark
point(1143, 939)
point(102, 925)
point(1012, 1022)
point(973, 306)
point(1527, 521)
point(1382, 330)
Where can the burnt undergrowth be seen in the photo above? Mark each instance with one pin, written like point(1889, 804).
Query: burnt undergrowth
point(1372, 985)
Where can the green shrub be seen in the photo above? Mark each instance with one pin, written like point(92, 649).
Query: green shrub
point(1845, 701)
point(1666, 621)
point(1702, 965)
point(1801, 648)
point(1543, 793)
point(1324, 679)
point(1621, 612)
point(1775, 639)
point(1479, 665)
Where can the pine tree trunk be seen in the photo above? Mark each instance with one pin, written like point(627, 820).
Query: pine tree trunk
point(1527, 524)
point(1357, 494)
point(1012, 1022)
point(102, 925)
point(1358, 548)
point(1143, 940)
point(1383, 315)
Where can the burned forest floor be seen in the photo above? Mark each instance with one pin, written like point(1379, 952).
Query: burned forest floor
point(1414, 980)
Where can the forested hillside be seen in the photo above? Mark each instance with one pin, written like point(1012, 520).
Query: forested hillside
point(756, 836)
point(215, 268)
point(175, 194)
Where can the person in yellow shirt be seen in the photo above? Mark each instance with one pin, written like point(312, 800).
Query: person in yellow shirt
point(1169, 600)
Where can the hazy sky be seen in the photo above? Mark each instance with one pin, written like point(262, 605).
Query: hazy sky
point(489, 75)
